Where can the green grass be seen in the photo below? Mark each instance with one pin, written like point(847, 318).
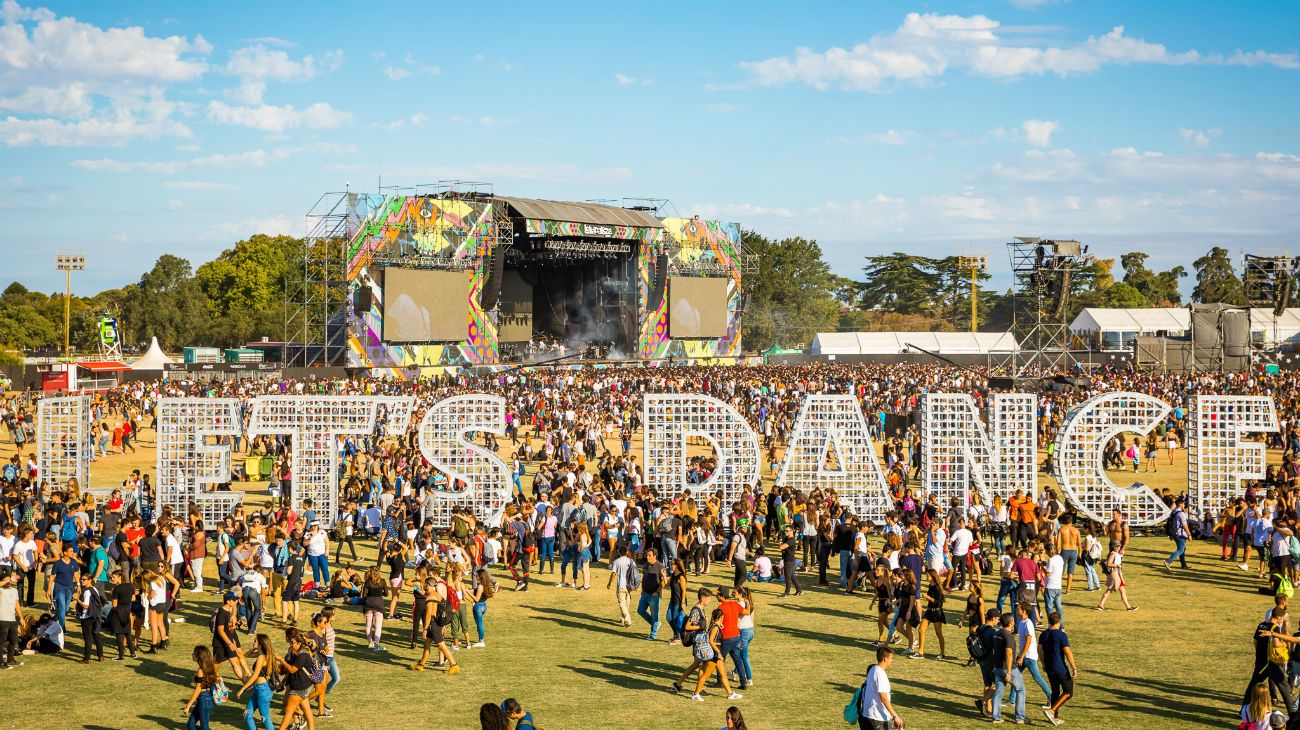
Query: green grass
point(1180, 661)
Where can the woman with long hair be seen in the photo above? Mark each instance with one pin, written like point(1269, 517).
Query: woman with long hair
point(677, 601)
point(584, 556)
point(484, 589)
point(883, 582)
point(909, 615)
point(746, 625)
point(932, 616)
point(1257, 714)
point(260, 682)
point(735, 720)
point(320, 665)
point(418, 602)
point(199, 708)
point(492, 717)
point(708, 652)
point(373, 595)
point(296, 666)
point(155, 594)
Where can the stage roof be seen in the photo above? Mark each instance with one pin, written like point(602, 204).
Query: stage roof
point(594, 213)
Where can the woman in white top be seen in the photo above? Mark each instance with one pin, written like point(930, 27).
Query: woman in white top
point(746, 625)
point(154, 596)
point(998, 523)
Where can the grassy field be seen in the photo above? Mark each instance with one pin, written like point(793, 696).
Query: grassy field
point(1180, 661)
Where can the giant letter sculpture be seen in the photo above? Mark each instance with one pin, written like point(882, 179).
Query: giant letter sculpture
point(64, 440)
point(830, 447)
point(958, 455)
point(187, 460)
point(315, 424)
point(671, 419)
point(1217, 460)
point(486, 475)
point(1079, 468)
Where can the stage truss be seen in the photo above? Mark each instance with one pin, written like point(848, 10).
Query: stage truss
point(830, 447)
point(1217, 457)
point(960, 456)
point(315, 424)
point(65, 432)
point(444, 442)
point(1078, 456)
point(669, 420)
point(192, 455)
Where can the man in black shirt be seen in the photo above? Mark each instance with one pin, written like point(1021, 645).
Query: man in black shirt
point(652, 586)
point(789, 562)
point(1265, 670)
point(843, 544)
point(150, 549)
point(993, 659)
point(1005, 671)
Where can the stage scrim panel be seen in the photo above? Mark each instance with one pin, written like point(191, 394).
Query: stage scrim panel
point(515, 312)
point(421, 305)
point(697, 307)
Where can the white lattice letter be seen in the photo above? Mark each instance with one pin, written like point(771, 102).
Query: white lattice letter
point(443, 443)
point(957, 454)
point(1079, 446)
point(671, 419)
point(188, 460)
point(830, 447)
point(64, 440)
point(1217, 458)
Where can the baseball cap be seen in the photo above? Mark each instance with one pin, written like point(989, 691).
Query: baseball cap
point(230, 596)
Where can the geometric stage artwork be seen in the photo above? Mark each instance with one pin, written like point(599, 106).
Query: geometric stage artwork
point(485, 476)
point(65, 433)
point(1217, 458)
point(830, 448)
point(959, 456)
point(1078, 456)
point(191, 456)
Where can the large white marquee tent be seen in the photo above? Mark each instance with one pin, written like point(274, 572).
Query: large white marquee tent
point(894, 343)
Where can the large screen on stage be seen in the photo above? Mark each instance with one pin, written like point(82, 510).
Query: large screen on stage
point(515, 310)
point(697, 307)
point(425, 306)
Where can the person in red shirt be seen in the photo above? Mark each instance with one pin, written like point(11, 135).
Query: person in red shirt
point(732, 610)
point(1028, 580)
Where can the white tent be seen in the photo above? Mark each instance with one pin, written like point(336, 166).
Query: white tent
point(1114, 329)
point(893, 343)
point(154, 359)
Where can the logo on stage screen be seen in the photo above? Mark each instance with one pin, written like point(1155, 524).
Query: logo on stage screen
point(591, 229)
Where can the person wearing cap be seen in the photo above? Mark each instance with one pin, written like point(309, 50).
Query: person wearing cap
point(318, 552)
point(225, 640)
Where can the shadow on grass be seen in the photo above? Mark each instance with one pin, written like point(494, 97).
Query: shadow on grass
point(826, 611)
point(581, 621)
point(628, 672)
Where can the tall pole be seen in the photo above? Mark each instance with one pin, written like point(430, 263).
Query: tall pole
point(973, 289)
point(976, 264)
point(68, 263)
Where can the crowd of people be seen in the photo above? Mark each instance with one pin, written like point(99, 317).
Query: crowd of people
point(121, 569)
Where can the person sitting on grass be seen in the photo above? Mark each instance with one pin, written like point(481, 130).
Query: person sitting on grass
point(762, 567)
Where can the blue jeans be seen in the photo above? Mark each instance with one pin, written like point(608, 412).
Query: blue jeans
point(569, 555)
point(1052, 596)
point(545, 551)
point(201, 712)
point(1000, 691)
point(320, 568)
point(62, 599)
point(676, 620)
point(1006, 589)
point(260, 700)
point(480, 608)
point(252, 608)
point(732, 648)
point(1090, 571)
point(648, 609)
point(1180, 552)
point(746, 636)
point(334, 675)
point(844, 567)
point(670, 551)
point(1031, 665)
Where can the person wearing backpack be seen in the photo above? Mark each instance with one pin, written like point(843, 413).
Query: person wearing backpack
point(91, 602)
point(1176, 529)
point(872, 705)
point(207, 689)
point(437, 618)
point(982, 644)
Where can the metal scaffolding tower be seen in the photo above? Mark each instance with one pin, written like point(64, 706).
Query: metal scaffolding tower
point(1045, 272)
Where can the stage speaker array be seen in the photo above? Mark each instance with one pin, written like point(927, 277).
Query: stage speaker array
point(365, 298)
point(660, 283)
point(492, 284)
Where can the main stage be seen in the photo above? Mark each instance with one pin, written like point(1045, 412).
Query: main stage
point(415, 282)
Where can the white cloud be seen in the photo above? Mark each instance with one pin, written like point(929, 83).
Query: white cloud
point(268, 118)
point(1276, 157)
point(252, 158)
point(927, 46)
point(256, 65)
point(625, 80)
point(395, 73)
point(120, 237)
point(891, 137)
point(410, 68)
point(414, 120)
point(198, 185)
point(1038, 132)
point(557, 173)
point(1198, 137)
point(69, 83)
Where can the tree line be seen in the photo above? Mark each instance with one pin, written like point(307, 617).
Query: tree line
point(240, 296)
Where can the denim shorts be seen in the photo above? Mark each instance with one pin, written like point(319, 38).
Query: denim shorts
point(1071, 558)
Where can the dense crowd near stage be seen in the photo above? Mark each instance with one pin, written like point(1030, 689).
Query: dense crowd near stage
point(114, 567)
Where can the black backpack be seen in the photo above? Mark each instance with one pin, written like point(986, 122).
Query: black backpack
point(1171, 525)
point(979, 644)
point(443, 616)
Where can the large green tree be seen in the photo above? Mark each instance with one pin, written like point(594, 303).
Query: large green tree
point(245, 287)
point(792, 295)
point(1159, 289)
point(1216, 279)
point(169, 304)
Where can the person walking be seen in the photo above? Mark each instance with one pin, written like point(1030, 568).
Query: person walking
point(875, 698)
point(1058, 660)
point(1114, 569)
point(1007, 673)
point(1027, 647)
point(198, 710)
point(677, 600)
point(259, 681)
point(652, 586)
point(1179, 533)
point(1271, 657)
point(708, 654)
point(736, 555)
point(789, 562)
point(485, 587)
point(622, 570)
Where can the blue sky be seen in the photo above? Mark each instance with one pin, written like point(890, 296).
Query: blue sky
point(132, 130)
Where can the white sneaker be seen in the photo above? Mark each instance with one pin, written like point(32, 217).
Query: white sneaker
point(196, 590)
point(697, 698)
point(735, 696)
point(478, 645)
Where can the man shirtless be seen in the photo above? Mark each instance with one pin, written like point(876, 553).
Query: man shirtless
point(1117, 531)
point(1068, 542)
